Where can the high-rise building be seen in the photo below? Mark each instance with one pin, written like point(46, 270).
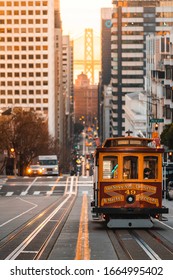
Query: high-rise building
point(132, 21)
point(106, 24)
point(67, 105)
point(29, 71)
point(105, 75)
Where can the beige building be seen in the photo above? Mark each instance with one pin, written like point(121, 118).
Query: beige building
point(28, 40)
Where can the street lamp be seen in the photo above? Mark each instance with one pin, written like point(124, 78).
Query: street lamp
point(13, 155)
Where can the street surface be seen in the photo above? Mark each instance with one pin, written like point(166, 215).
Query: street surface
point(50, 218)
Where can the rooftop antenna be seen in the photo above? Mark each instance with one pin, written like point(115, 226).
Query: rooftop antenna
point(129, 132)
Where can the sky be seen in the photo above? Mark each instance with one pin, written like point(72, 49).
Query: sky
point(76, 15)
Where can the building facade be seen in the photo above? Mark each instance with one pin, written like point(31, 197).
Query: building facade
point(132, 21)
point(27, 57)
point(66, 107)
point(105, 74)
point(159, 81)
point(85, 101)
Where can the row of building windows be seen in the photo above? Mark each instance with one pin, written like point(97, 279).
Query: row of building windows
point(23, 74)
point(23, 30)
point(24, 12)
point(23, 65)
point(24, 39)
point(23, 92)
point(23, 83)
point(23, 56)
point(24, 48)
point(23, 3)
point(144, 15)
point(23, 21)
point(23, 101)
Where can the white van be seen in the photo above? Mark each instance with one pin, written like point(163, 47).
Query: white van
point(49, 164)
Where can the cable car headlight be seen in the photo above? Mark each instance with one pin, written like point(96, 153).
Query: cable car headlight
point(130, 199)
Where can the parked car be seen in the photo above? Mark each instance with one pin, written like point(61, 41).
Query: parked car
point(34, 170)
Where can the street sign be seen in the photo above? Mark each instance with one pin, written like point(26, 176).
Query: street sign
point(156, 120)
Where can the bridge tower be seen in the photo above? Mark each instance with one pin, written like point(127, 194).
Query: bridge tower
point(89, 54)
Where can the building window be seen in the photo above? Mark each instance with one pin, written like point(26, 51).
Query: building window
point(168, 73)
point(10, 101)
point(24, 83)
point(168, 92)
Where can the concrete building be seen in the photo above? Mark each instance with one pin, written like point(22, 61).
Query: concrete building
point(107, 93)
point(132, 21)
point(105, 74)
point(135, 113)
point(159, 81)
point(30, 38)
point(67, 102)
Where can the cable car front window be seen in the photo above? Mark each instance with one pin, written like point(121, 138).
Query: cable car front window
point(110, 167)
point(130, 167)
point(150, 167)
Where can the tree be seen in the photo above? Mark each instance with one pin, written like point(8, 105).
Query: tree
point(78, 127)
point(27, 134)
point(167, 136)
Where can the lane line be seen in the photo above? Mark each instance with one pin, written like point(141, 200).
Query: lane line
point(26, 191)
point(13, 255)
point(82, 247)
point(23, 213)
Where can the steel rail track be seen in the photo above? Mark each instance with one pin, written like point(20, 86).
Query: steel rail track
point(17, 242)
point(140, 244)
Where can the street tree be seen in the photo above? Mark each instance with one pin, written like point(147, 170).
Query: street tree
point(167, 136)
point(27, 134)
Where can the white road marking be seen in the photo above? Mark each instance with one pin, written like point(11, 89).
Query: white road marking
point(23, 213)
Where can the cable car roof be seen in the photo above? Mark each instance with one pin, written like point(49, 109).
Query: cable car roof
point(126, 141)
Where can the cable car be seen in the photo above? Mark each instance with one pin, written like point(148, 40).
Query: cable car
point(127, 189)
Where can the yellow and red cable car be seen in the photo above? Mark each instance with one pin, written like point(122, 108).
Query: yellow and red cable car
point(128, 182)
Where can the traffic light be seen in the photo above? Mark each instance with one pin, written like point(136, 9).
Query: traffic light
point(12, 153)
point(156, 126)
point(170, 156)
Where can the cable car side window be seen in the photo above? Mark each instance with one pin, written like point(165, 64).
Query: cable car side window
point(110, 167)
point(130, 167)
point(150, 167)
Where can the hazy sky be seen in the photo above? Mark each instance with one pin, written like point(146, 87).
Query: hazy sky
point(77, 15)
